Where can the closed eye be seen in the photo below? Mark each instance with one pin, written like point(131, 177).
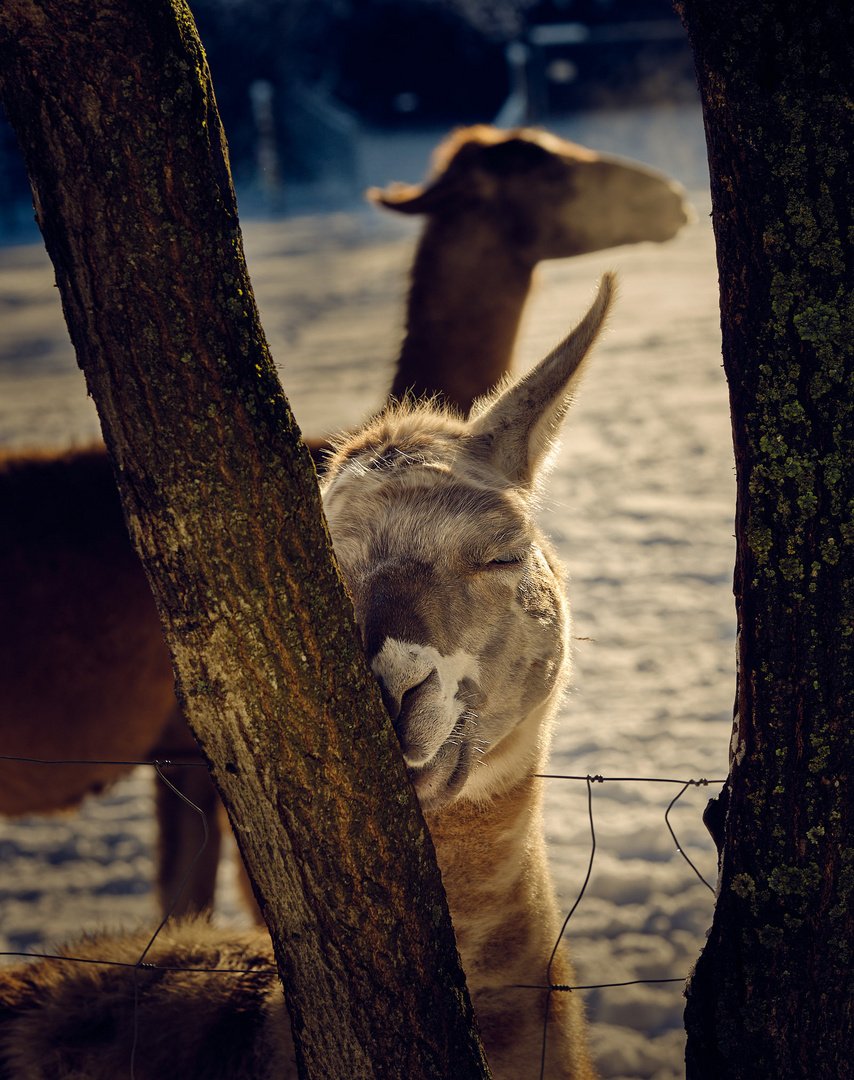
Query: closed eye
point(500, 552)
point(509, 559)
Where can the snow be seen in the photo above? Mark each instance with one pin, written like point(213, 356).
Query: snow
point(640, 505)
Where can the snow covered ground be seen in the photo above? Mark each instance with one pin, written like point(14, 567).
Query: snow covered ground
point(640, 505)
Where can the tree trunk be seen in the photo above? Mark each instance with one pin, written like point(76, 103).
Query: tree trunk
point(771, 995)
point(112, 104)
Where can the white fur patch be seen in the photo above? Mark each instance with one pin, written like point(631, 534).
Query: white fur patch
point(403, 665)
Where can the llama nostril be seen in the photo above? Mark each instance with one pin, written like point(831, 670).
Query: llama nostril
point(392, 703)
point(409, 694)
point(397, 706)
point(415, 712)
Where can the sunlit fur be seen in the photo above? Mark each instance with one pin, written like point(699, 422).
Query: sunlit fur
point(432, 521)
point(84, 671)
point(418, 522)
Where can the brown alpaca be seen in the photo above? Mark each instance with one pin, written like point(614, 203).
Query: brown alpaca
point(498, 203)
point(459, 599)
point(84, 672)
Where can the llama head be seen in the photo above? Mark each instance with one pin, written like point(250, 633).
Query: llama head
point(544, 197)
point(457, 594)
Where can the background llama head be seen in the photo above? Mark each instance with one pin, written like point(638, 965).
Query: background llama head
point(541, 196)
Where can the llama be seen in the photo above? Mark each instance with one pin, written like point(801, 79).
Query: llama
point(499, 203)
point(460, 605)
point(84, 671)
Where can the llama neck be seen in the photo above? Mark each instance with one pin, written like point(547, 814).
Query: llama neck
point(493, 864)
point(465, 304)
point(494, 872)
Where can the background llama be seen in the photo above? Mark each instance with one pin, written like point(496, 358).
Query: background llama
point(640, 506)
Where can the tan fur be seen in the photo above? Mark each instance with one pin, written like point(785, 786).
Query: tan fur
point(64, 1020)
point(432, 520)
point(498, 203)
point(84, 672)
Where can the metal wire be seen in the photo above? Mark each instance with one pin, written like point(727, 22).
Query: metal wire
point(141, 964)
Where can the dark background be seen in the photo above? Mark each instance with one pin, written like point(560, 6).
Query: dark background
point(333, 68)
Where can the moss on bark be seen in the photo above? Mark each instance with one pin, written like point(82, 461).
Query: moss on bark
point(115, 113)
point(772, 992)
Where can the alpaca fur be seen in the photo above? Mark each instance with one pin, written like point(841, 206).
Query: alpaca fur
point(84, 671)
point(459, 601)
point(188, 1024)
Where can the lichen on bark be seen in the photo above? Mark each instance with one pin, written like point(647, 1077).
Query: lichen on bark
point(114, 110)
point(775, 83)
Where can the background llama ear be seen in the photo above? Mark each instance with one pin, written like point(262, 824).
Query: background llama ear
point(463, 184)
point(516, 430)
point(406, 198)
point(466, 169)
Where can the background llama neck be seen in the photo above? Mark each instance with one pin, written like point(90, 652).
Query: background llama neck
point(468, 291)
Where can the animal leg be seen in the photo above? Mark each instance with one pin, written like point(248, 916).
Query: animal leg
point(181, 827)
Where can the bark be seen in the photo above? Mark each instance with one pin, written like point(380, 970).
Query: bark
point(113, 107)
point(772, 992)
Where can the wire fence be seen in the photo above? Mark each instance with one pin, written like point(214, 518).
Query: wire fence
point(160, 766)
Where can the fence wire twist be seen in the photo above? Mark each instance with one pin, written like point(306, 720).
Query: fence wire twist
point(160, 765)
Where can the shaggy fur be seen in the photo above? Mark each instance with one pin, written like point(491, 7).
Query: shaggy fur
point(459, 601)
point(67, 1019)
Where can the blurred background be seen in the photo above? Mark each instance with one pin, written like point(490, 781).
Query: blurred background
point(321, 99)
point(312, 92)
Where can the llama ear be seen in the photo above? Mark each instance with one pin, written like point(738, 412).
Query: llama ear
point(406, 198)
point(463, 172)
point(516, 429)
point(458, 185)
